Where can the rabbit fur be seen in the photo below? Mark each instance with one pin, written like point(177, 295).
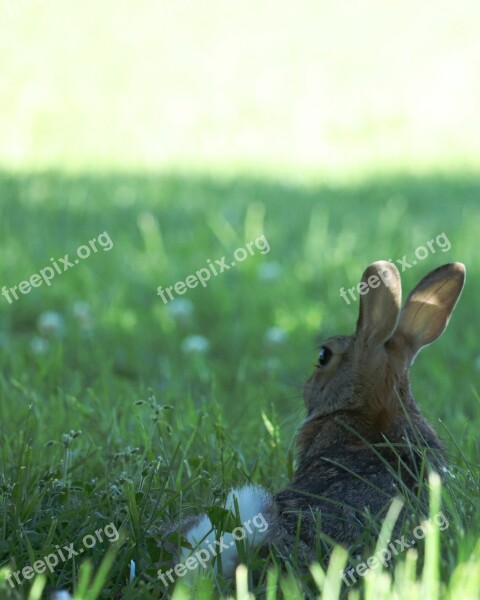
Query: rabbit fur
point(363, 430)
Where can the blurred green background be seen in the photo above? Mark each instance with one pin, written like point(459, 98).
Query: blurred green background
point(345, 132)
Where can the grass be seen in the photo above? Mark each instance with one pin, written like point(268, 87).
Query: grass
point(166, 429)
point(345, 133)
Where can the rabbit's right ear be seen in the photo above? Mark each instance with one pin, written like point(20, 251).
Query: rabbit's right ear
point(429, 306)
point(379, 304)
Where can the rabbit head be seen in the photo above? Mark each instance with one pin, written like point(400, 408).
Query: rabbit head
point(366, 374)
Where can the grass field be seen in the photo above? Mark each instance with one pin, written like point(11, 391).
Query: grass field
point(181, 139)
point(114, 343)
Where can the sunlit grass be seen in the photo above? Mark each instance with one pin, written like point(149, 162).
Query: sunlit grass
point(330, 90)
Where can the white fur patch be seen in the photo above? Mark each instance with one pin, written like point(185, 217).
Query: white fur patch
point(254, 505)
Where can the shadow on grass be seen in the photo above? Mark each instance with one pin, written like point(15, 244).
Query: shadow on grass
point(261, 318)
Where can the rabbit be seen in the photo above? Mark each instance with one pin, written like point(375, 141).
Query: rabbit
point(363, 430)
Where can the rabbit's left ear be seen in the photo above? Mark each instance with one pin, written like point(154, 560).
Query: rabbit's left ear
point(380, 299)
point(429, 306)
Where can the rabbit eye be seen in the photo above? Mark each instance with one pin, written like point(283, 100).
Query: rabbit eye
point(324, 356)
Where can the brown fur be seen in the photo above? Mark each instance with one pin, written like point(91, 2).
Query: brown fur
point(360, 406)
point(364, 438)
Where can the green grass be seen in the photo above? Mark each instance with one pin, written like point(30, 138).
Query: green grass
point(345, 132)
point(165, 432)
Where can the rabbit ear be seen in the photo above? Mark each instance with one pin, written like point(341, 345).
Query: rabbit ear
point(379, 303)
point(428, 307)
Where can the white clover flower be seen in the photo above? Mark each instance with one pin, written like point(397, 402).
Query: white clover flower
point(275, 336)
point(195, 343)
point(83, 313)
point(39, 345)
point(269, 271)
point(181, 310)
point(51, 324)
point(81, 309)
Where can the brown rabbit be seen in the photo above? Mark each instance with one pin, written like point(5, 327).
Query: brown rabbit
point(364, 430)
point(364, 437)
